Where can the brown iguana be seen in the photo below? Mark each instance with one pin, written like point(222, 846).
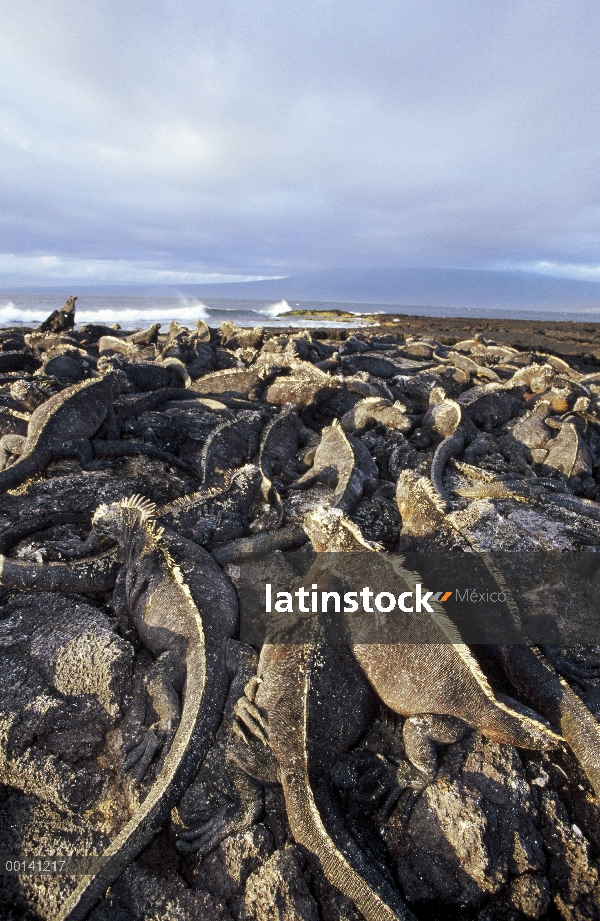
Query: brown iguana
point(300, 704)
point(306, 387)
point(423, 513)
point(374, 411)
point(248, 381)
point(75, 413)
point(343, 462)
point(184, 609)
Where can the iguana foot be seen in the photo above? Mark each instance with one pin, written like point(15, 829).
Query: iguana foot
point(166, 734)
point(376, 781)
point(576, 669)
point(248, 716)
point(422, 733)
point(205, 837)
point(140, 754)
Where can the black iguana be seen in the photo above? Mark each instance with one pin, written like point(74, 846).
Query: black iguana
point(184, 609)
point(278, 447)
point(92, 453)
point(230, 445)
point(75, 413)
point(219, 513)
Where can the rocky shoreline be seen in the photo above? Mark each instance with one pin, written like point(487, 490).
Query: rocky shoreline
point(415, 435)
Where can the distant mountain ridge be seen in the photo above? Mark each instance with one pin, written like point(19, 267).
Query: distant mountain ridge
point(468, 288)
point(417, 287)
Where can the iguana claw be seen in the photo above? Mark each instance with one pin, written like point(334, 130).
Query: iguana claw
point(138, 760)
point(205, 837)
point(248, 715)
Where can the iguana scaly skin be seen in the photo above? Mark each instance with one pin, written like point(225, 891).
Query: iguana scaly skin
point(218, 513)
point(341, 461)
point(75, 413)
point(230, 444)
point(530, 672)
point(308, 690)
point(231, 380)
point(90, 452)
point(184, 609)
point(279, 443)
point(97, 574)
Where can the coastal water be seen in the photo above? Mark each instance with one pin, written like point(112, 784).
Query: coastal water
point(133, 311)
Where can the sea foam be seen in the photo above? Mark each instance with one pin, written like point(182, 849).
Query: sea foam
point(275, 310)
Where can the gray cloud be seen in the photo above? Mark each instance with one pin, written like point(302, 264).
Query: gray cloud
point(265, 138)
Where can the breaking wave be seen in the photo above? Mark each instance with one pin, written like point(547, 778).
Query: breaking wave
point(9, 313)
point(188, 309)
point(276, 310)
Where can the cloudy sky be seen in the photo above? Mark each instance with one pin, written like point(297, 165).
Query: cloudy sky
point(188, 140)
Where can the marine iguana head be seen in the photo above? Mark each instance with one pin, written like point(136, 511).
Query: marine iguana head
point(178, 368)
point(130, 522)
point(420, 507)
point(119, 381)
point(330, 530)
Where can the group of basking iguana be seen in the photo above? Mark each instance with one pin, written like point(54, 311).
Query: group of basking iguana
point(331, 443)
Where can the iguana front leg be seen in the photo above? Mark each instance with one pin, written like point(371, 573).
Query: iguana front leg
point(249, 717)
point(161, 684)
point(240, 798)
point(160, 687)
point(10, 446)
point(128, 743)
point(80, 448)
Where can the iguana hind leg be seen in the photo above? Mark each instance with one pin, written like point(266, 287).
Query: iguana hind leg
point(139, 743)
point(161, 684)
point(422, 733)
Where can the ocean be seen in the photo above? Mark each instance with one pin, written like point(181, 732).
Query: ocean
point(139, 311)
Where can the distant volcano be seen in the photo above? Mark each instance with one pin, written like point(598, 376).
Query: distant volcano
point(399, 288)
point(467, 288)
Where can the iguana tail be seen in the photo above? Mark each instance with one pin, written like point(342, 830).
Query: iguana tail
point(91, 575)
point(534, 677)
point(26, 466)
point(344, 864)
point(205, 688)
point(449, 447)
point(512, 724)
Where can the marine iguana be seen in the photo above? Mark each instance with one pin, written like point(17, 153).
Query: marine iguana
point(229, 445)
point(75, 413)
point(376, 411)
point(278, 446)
point(95, 574)
point(218, 514)
point(343, 462)
point(249, 381)
point(298, 707)
point(260, 544)
point(185, 610)
point(529, 671)
point(88, 450)
point(306, 387)
point(60, 320)
point(456, 421)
